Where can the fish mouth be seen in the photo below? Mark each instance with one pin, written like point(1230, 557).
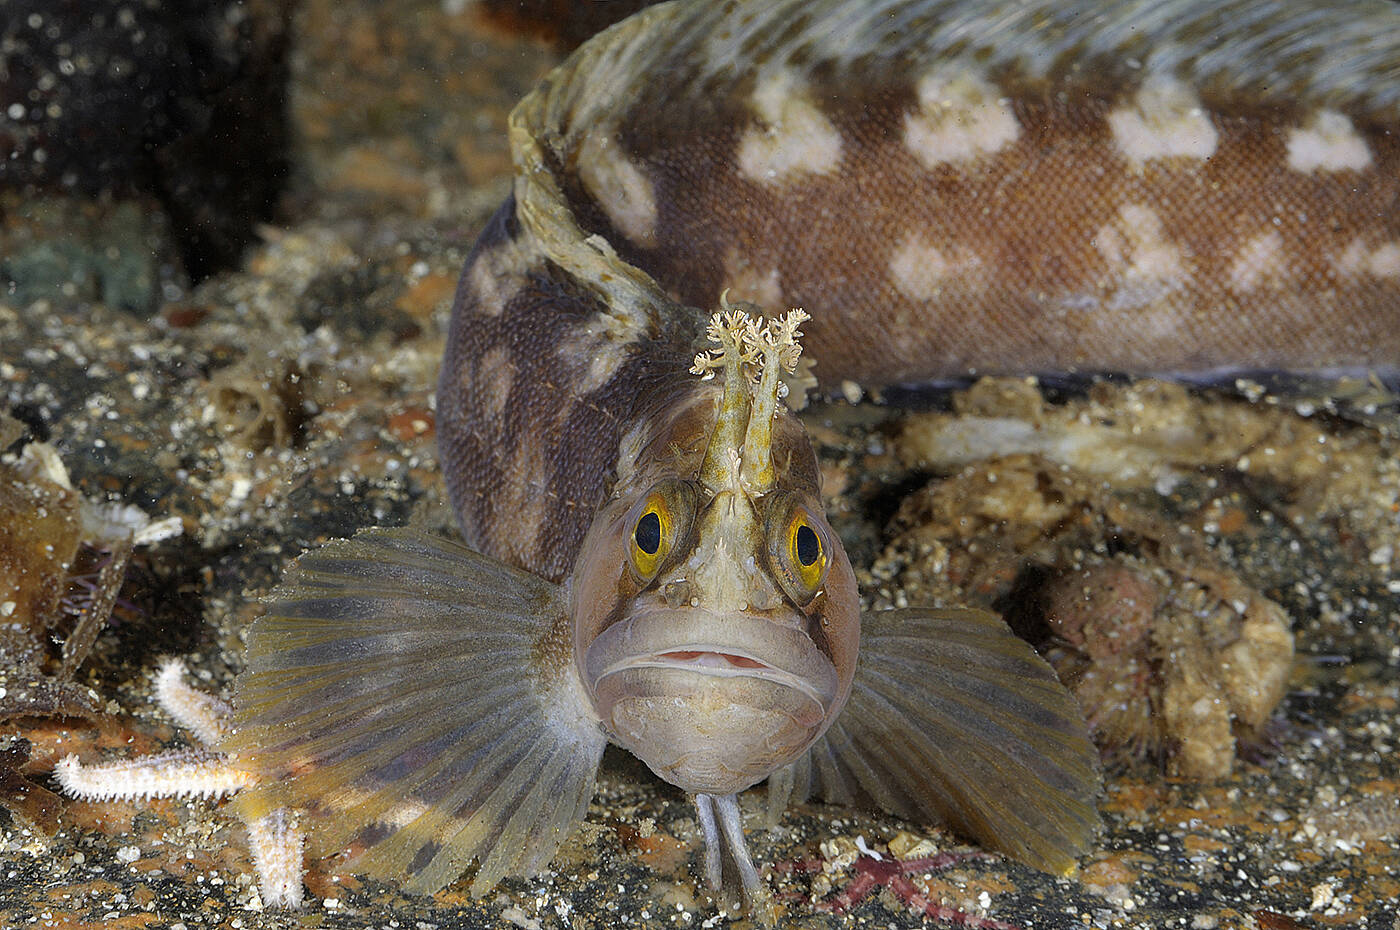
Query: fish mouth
point(681, 640)
point(722, 662)
point(708, 658)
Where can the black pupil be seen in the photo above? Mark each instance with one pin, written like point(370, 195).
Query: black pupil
point(808, 546)
point(648, 533)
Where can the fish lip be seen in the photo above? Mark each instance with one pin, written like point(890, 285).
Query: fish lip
point(782, 654)
point(762, 670)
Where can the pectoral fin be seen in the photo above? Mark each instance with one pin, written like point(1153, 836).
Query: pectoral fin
point(418, 699)
point(953, 719)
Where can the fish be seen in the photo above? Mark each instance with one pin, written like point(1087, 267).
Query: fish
point(433, 705)
point(945, 188)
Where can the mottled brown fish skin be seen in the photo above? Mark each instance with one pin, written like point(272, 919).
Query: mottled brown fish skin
point(532, 433)
point(948, 187)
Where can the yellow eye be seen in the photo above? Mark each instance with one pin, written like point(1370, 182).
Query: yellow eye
point(659, 522)
point(799, 548)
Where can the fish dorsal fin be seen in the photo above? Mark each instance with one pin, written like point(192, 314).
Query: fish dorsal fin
point(416, 698)
point(953, 719)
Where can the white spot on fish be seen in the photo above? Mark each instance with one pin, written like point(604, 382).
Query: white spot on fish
point(920, 270)
point(526, 496)
point(761, 286)
point(496, 274)
point(1328, 142)
point(1165, 120)
point(793, 137)
point(620, 187)
point(960, 117)
point(1259, 261)
point(1385, 260)
point(492, 381)
point(1359, 258)
point(1142, 265)
point(596, 356)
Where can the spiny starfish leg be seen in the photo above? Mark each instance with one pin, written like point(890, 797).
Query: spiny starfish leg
point(204, 715)
point(277, 844)
point(179, 773)
point(275, 840)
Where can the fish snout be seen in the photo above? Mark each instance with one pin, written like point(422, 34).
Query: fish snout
point(710, 703)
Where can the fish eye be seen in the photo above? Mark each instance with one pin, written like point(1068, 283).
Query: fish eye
point(647, 535)
point(799, 548)
point(807, 546)
point(657, 525)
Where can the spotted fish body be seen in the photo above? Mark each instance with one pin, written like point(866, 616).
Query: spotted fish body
point(947, 187)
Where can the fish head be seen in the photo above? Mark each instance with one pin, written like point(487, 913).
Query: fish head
point(716, 614)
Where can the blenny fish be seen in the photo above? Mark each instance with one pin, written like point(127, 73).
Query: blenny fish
point(946, 187)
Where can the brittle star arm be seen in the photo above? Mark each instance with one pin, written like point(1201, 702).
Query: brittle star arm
point(276, 841)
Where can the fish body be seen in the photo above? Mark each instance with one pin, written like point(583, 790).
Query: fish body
point(946, 187)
